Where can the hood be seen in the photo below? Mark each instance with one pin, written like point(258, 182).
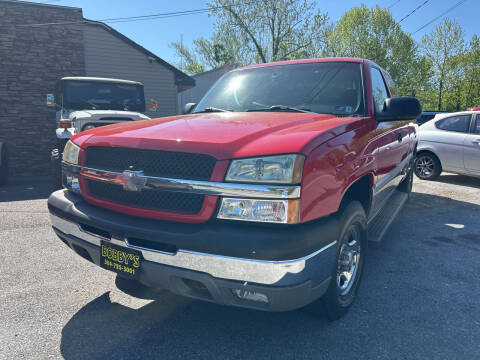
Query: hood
point(110, 114)
point(224, 135)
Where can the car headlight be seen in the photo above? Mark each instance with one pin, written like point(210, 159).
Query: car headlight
point(277, 169)
point(259, 210)
point(70, 153)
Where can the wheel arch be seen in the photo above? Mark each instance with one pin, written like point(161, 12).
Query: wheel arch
point(361, 191)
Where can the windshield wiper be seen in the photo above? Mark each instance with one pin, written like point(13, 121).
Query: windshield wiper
point(281, 108)
point(211, 109)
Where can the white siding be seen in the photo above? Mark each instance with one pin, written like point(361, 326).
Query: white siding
point(108, 56)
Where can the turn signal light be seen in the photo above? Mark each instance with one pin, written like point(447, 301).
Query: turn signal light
point(65, 124)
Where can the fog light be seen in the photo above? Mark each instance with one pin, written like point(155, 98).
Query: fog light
point(71, 183)
point(273, 211)
point(250, 295)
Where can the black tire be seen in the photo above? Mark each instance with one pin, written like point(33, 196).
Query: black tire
point(427, 166)
point(338, 298)
point(56, 169)
point(406, 184)
point(4, 167)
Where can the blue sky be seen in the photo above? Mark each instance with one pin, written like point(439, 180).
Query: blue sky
point(156, 35)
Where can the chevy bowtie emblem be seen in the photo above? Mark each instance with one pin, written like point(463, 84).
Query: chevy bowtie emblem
point(133, 180)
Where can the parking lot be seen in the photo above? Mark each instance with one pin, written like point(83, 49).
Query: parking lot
point(419, 297)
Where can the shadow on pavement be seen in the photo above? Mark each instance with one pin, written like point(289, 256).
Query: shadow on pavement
point(26, 191)
point(417, 273)
point(462, 180)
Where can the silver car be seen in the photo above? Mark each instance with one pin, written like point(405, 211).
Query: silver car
point(450, 142)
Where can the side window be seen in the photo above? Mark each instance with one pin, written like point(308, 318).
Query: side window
point(476, 127)
point(459, 123)
point(391, 85)
point(378, 88)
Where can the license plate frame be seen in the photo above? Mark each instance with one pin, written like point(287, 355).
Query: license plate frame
point(120, 259)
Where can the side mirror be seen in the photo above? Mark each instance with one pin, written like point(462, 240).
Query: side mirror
point(50, 100)
point(188, 108)
point(402, 108)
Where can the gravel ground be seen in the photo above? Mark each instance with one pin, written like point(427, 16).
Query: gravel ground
point(419, 297)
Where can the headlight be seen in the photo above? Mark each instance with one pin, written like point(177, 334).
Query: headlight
point(278, 169)
point(273, 211)
point(70, 153)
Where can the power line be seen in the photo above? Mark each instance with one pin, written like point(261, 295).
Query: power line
point(139, 18)
point(439, 16)
point(418, 7)
point(392, 5)
point(124, 19)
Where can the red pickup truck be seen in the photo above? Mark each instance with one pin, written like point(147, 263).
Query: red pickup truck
point(264, 196)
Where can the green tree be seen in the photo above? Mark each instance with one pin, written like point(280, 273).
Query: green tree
point(442, 47)
point(189, 62)
point(471, 65)
point(258, 31)
point(375, 35)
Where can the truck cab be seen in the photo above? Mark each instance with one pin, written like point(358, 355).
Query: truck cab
point(265, 196)
point(84, 103)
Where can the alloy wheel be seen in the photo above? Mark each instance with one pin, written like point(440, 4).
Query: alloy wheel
point(349, 259)
point(425, 166)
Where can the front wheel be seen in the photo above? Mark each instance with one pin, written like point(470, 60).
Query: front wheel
point(350, 258)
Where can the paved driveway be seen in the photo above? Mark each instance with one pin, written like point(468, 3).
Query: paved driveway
point(420, 296)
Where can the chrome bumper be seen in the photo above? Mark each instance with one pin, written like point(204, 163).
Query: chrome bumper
point(316, 266)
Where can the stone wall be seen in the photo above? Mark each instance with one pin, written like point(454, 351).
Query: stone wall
point(32, 59)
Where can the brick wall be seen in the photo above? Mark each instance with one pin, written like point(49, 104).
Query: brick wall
point(32, 59)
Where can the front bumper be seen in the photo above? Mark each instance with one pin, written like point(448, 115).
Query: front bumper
point(222, 278)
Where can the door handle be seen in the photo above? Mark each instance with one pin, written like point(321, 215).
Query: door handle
point(399, 137)
point(477, 141)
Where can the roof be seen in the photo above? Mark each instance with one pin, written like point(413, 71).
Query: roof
point(29, 3)
point(448, 114)
point(181, 79)
point(100, 79)
point(307, 61)
point(433, 112)
point(228, 66)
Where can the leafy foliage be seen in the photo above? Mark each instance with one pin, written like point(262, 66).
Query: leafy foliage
point(441, 70)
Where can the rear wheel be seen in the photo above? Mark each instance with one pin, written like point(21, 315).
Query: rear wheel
point(350, 258)
point(56, 169)
point(4, 167)
point(427, 166)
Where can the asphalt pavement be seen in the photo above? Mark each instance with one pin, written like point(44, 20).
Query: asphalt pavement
point(419, 298)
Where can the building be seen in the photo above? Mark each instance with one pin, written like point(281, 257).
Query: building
point(203, 82)
point(34, 56)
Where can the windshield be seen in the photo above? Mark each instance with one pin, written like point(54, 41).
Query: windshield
point(79, 95)
point(325, 87)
